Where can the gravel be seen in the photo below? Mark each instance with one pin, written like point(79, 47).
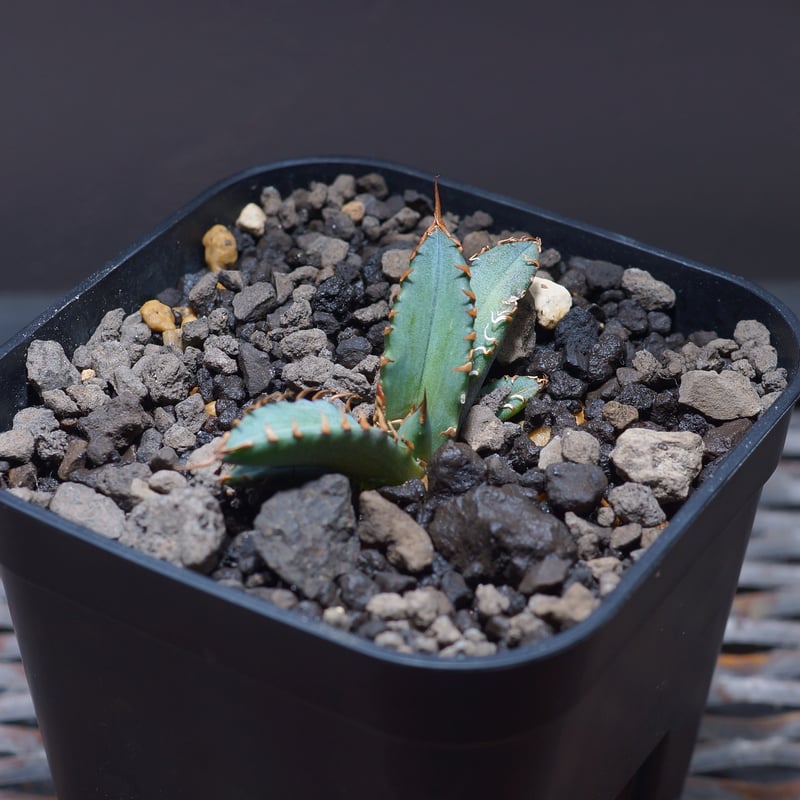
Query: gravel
point(523, 527)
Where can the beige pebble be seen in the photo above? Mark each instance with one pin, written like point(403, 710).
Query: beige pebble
point(551, 301)
point(157, 316)
point(540, 436)
point(252, 219)
point(211, 408)
point(355, 210)
point(88, 374)
point(220, 248)
point(186, 313)
point(173, 337)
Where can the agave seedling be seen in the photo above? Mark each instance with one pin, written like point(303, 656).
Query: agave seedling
point(445, 327)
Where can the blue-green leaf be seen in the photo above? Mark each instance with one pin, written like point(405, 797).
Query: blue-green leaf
point(518, 390)
point(318, 434)
point(428, 341)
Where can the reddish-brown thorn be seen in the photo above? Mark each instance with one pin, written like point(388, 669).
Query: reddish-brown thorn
point(272, 437)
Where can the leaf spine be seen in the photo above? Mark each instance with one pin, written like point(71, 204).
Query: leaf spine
point(272, 437)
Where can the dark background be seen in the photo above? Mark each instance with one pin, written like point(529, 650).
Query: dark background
point(674, 123)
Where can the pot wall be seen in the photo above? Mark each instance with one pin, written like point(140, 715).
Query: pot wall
point(181, 688)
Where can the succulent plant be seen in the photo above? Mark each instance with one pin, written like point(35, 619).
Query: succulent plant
point(445, 327)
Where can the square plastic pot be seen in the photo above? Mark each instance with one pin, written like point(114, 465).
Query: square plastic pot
point(152, 682)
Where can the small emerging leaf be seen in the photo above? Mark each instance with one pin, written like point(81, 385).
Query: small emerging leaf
point(500, 277)
point(518, 389)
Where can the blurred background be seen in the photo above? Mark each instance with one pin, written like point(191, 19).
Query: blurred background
point(677, 124)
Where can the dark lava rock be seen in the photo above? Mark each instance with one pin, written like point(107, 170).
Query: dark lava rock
point(499, 471)
point(575, 487)
point(242, 553)
point(638, 395)
point(372, 561)
point(523, 454)
point(352, 350)
point(664, 410)
point(496, 532)
point(396, 582)
point(659, 322)
point(696, 423)
point(577, 331)
point(336, 296)
point(356, 589)
point(405, 494)
point(721, 439)
point(455, 468)
point(203, 294)
point(455, 588)
point(600, 275)
point(564, 386)
point(306, 535)
point(111, 427)
point(604, 357)
point(633, 317)
point(543, 360)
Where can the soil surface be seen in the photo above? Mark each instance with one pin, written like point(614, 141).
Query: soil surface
point(523, 527)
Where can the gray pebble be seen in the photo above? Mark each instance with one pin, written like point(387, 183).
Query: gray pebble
point(126, 381)
point(87, 396)
point(254, 302)
point(634, 502)
point(17, 445)
point(216, 360)
point(750, 330)
point(87, 507)
point(107, 356)
point(666, 461)
point(185, 527)
point(61, 404)
point(484, 432)
point(165, 376)
point(308, 372)
point(720, 396)
point(109, 328)
point(580, 447)
point(298, 344)
point(48, 366)
point(166, 480)
point(305, 534)
point(179, 438)
point(191, 412)
point(649, 293)
point(321, 250)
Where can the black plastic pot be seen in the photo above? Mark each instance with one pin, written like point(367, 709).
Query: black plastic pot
point(152, 682)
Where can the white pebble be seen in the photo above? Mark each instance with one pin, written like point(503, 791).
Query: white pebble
point(252, 219)
point(551, 301)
